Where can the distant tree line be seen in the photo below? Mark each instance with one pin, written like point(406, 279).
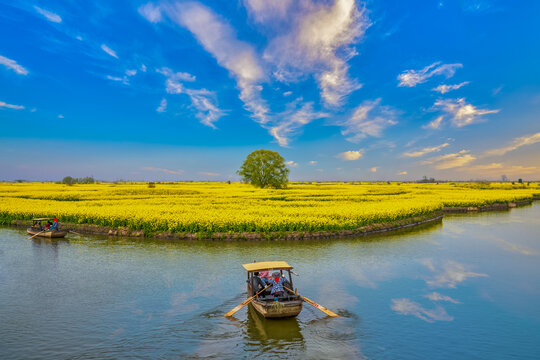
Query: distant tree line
point(68, 180)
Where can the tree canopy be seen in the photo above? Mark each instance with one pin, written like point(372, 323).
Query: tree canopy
point(265, 168)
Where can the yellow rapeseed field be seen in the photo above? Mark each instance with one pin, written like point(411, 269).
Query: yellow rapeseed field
point(222, 207)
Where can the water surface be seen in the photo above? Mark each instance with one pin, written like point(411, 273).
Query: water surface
point(466, 288)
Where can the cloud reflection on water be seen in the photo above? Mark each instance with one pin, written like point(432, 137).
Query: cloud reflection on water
point(452, 274)
point(406, 306)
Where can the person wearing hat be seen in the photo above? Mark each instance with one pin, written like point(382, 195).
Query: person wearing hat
point(277, 285)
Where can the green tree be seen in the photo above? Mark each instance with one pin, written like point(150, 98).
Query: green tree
point(68, 180)
point(265, 168)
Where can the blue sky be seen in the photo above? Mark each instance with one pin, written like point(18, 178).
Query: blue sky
point(344, 90)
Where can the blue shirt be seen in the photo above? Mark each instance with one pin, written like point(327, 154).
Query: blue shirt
point(277, 286)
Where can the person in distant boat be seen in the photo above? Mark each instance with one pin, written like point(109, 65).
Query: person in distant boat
point(48, 225)
point(277, 282)
point(55, 224)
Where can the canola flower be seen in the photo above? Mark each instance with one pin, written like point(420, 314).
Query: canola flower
point(220, 207)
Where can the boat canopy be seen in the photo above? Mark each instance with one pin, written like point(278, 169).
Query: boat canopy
point(267, 265)
point(42, 219)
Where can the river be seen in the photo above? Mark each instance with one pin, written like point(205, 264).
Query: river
point(468, 288)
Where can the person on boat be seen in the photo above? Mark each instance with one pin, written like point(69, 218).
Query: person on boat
point(277, 282)
point(55, 224)
point(264, 275)
point(48, 226)
point(257, 282)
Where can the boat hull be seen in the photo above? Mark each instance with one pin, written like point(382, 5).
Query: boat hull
point(273, 309)
point(47, 234)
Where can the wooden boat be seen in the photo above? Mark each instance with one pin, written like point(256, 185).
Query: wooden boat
point(288, 304)
point(38, 230)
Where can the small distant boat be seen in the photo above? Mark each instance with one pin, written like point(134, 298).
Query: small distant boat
point(288, 305)
point(38, 230)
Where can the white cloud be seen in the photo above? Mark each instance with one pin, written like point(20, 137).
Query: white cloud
point(263, 10)
point(143, 68)
point(209, 173)
point(496, 169)
point(450, 161)
point(435, 124)
point(291, 120)
point(12, 64)
point(374, 169)
point(351, 155)
point(426, 150)
point(287, 93)
point(368, 119)
point(218, 38)
point(291, 163)
point(49, 15)
point(402, 173)
point(313, 162)
point(411, 78)
point(461, 113)
point(60, 116)
point(109, 51)
point(435, 296)
point(131, 72)
point(162, 106)
point(201, 99)
point(515, 144)
point(408, 307)
point(11, 106)
point(151, 12)
point(166, 171)
point(319, 43)
point(443, 89)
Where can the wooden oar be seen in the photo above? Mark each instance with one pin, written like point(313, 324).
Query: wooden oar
point(74, 232)
point(318, 306)
point(31, 237)
point(244, 303)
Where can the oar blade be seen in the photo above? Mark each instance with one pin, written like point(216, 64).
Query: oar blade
point(320, 307)
point(244, 303)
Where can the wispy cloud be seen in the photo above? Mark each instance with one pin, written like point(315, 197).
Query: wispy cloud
point(313, 162)
point(49, 15)
point(443, 89)
point(319, 43)
point(11, 106)
point(151, 12)
point(461, 113)
point(166, 171)
point(291, 163)
point(515, 144)
point(374, 169)
point(60, 116)
point(411, 78)
point(435, 124)
point(12, 64)
point(109, 51)
point(435, 296)
point(204, 101)
point(289, 123)
point(450, 161)
point(162, 106)
point(426, 150)
point(496, 169)
point(131, 72)
point(219, 39)
point(402, 173)
point(368, 119)
point(351, 155)
point(209, 173)
point(408, 307)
